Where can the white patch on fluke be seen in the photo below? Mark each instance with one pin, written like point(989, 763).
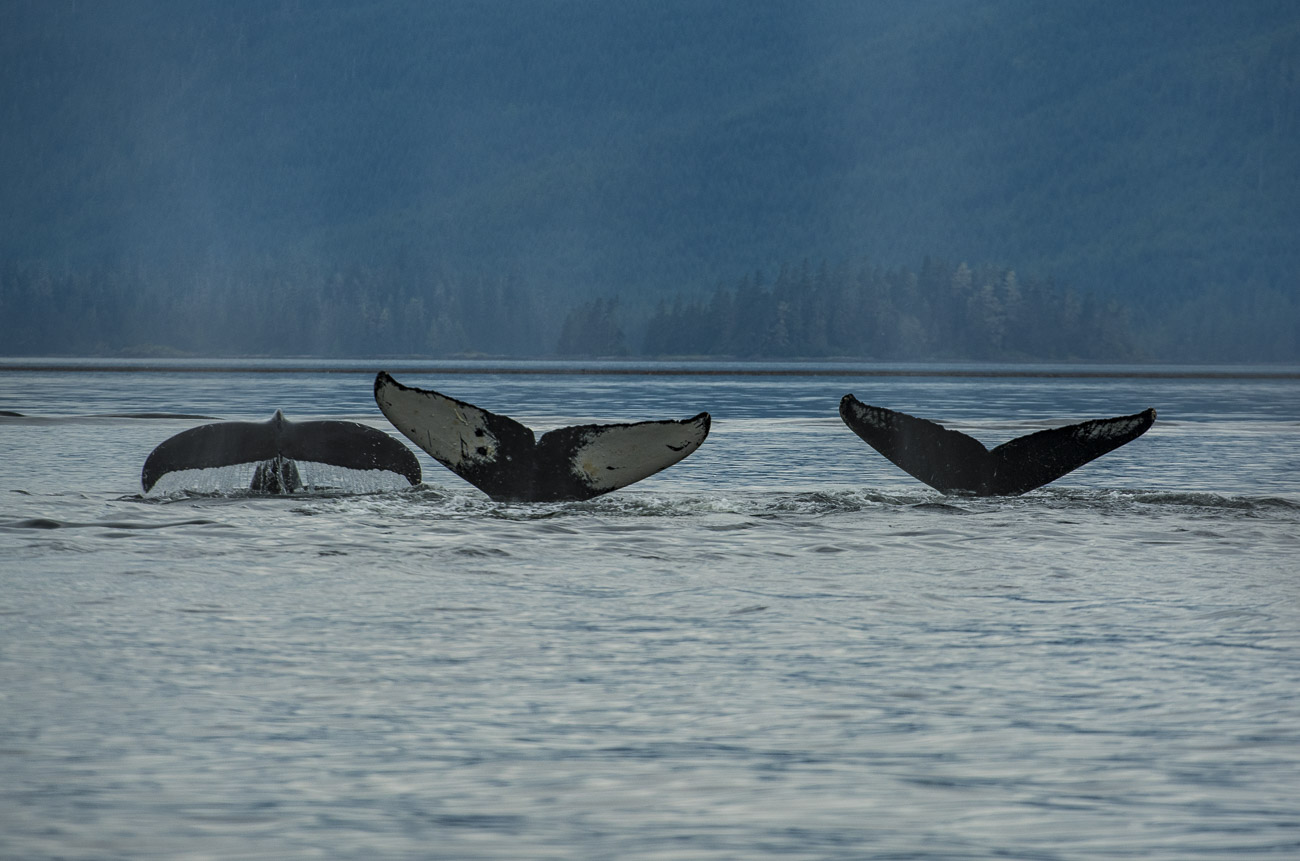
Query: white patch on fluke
point(616, 456)
point(452, 432)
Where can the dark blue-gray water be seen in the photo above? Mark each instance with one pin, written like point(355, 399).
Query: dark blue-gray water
point(781, 647)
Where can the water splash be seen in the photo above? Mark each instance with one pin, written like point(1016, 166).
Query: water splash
point(235, 480)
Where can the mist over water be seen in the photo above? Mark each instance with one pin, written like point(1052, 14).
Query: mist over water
point(781, 647)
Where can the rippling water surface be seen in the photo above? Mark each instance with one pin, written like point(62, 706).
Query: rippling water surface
point(782, 647)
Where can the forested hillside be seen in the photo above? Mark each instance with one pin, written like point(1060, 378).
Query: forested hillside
point(936, 311)
point(315, 166)
point(939, 311)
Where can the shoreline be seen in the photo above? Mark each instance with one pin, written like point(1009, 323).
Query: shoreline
point(669, 369)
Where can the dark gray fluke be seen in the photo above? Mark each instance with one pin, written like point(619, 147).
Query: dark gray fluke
point(502, 458)
point(952, 462)
point(275, 445)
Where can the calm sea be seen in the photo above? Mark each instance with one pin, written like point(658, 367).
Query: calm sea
point(783, 647)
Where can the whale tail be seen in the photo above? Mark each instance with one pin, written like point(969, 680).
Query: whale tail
point(505, 460)
point(952, 462)
point(274, 445)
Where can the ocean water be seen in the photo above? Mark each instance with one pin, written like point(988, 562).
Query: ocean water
point(781, 647)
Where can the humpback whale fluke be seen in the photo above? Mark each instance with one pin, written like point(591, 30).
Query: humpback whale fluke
point(502, 458)
point(952, 462)
point(275, 445)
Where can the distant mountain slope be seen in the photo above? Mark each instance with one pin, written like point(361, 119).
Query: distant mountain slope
point(1141, 148)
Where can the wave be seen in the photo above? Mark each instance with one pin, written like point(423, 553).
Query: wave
point(830, 502)
point(1217, 501)
point(47, 523)
point(18, 418)
point(426, 500)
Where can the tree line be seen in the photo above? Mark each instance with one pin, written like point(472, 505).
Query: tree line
point(348, 312)
point(939, 311)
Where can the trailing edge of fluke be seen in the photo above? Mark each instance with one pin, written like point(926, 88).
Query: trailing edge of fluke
point(274, 445)
point(952, 462)
point(504, 459)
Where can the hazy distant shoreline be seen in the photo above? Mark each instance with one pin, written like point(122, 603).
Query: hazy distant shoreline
point(670, 369)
